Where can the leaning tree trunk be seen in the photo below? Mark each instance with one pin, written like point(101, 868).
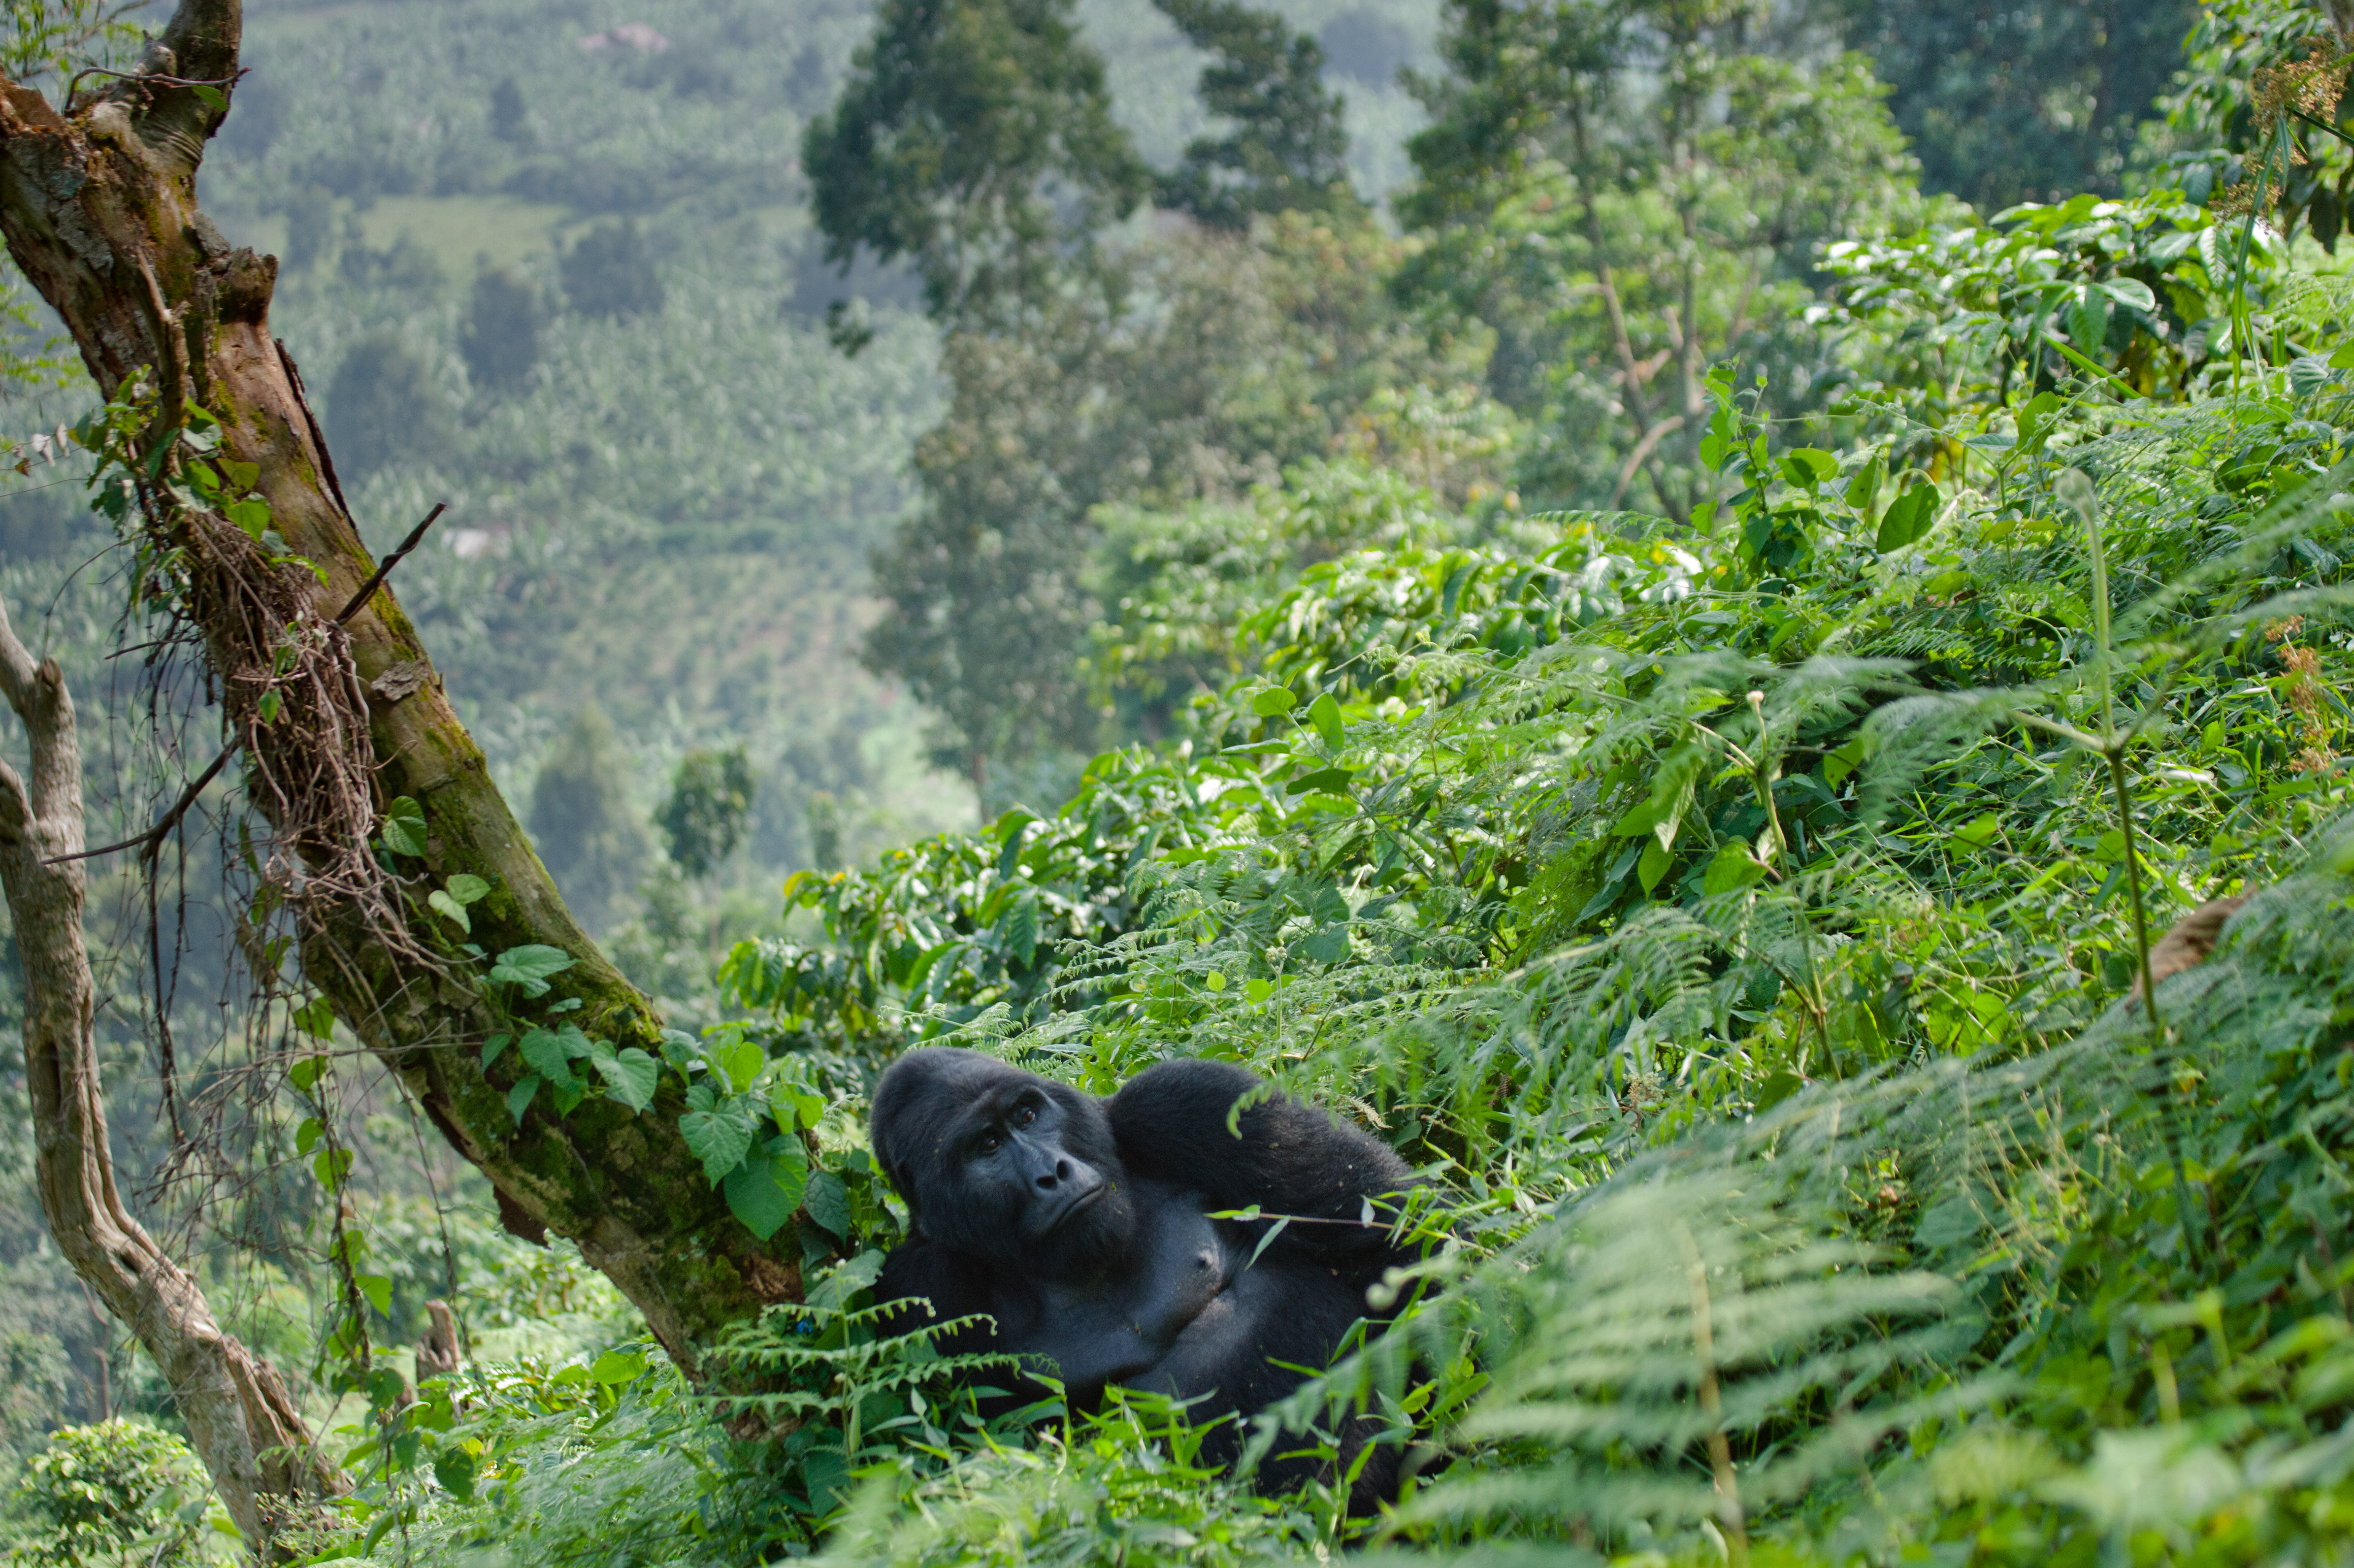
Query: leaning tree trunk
point(335, 717)
point(243, 1425)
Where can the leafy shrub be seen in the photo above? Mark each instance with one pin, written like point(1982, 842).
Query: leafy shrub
point(115, 1492)
point(610, 272)
point(384, 408)
point(502, 327)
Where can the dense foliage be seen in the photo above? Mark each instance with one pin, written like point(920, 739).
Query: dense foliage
point(1684, 686)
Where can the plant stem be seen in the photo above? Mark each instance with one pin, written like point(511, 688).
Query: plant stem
point(1720, 1452)
point(2114, 753)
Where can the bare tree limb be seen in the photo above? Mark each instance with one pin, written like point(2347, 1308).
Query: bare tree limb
point(240, 1420)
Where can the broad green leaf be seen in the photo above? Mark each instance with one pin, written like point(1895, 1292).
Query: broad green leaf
point(1777, 1087)
point(495, 1047)
point(630, 1075)
point(449, 909)
point(1863, 489)
point(1331, 780)
point(403, 827)
point(455, 1470)
point(1808, 467)
point(767, 1187)
point(316, 1018)
point(306, 1137)
point(1653, 865)
point(1273, 701)
point(2131, 292)
point(794, 1106)
point(467, 888)
point(1733, 869)
point(529, 966)
point(377, 1288)
point(1979, 833)
point(619, 1366)
point(718, 1137)
point(1329, 945)
point(331, 1166)
point(1908, 517)
point(738, 1061)
point(1325, 714)
point(241, 474)
point(305, 1072)
point(519, 1097)
point(251, 516)
point(543, 1049)
point(828, 1202)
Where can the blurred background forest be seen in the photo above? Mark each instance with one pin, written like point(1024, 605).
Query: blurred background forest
point(798, 514)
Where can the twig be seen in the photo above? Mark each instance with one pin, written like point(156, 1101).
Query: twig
point(150, 841)
point(376, 580)
point(74, 86)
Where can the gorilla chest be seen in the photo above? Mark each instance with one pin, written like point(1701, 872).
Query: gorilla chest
point(1124, 1324)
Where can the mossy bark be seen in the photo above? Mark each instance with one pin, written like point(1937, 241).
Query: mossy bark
point(98, 206)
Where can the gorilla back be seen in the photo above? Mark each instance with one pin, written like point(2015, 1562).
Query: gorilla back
point(1082, 1226)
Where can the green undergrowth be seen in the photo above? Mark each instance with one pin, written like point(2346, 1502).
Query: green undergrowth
point(1740, 924)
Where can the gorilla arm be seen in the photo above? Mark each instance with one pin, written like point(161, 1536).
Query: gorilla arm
point(1289, 1159)
point(956, 1286)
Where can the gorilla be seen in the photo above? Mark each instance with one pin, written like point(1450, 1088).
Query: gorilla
point(1082, 1226)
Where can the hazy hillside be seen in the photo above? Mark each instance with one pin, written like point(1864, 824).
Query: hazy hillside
point(712, 462)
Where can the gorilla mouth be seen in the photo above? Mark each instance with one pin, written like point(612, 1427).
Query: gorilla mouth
point(1071, 1205)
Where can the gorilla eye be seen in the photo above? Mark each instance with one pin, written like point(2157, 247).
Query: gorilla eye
point(990, 1145)
point(1025, 1116)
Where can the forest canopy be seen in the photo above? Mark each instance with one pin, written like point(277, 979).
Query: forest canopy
point(1724, 623)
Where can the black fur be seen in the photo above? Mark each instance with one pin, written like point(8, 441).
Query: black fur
point(1079, 1225)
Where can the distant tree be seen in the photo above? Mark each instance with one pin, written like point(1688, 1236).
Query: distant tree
point(384, 408)
point(501, 340)
point(581, 822)
point(310, 228)
point(1288, 148)
point(701, 820)
point(610, 272)
point(2011, 100)
point(976, 137)
point(509, 115)
point(1627, 192)
point(1366, 47)
point(89, 1496)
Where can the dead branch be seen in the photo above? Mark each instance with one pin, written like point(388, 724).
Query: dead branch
point(240, 1419)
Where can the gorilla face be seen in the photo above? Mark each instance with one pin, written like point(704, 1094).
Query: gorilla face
point(1002, 1164)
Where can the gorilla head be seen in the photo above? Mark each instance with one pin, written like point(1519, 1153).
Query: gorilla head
point(1000, 1164)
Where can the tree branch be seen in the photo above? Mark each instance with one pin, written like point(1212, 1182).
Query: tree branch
point(240, 1420)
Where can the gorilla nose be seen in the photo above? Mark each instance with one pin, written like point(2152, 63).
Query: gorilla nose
point(1060, 1174)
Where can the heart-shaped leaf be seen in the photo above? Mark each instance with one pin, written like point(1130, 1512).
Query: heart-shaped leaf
point(403, 827)
point(718, 1137)
point(529, 966)
point(766, 1188)
point(630, 1075)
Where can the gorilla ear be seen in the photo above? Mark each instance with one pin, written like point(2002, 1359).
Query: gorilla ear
point(907, 1190)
